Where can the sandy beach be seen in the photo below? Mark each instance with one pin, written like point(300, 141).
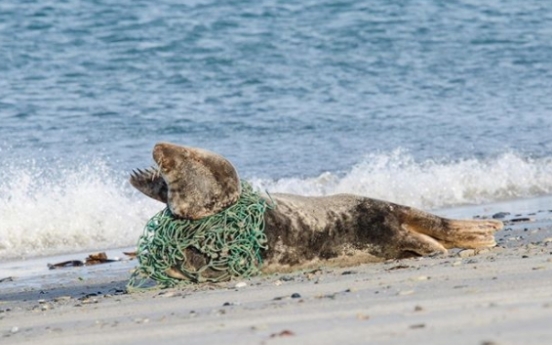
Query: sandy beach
point(501, 295)
point(442, 106)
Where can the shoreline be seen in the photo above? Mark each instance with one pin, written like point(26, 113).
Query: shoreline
point(500, 295)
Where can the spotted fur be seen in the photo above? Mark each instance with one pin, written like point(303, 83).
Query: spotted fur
point(340, 229)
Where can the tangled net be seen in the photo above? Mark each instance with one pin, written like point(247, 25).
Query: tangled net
point(228, 244)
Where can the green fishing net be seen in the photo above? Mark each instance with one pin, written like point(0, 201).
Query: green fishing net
point(216, 248)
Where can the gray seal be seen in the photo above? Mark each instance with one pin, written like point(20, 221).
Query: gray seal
point(342, 229)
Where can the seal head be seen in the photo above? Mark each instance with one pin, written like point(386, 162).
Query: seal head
point(195, 183)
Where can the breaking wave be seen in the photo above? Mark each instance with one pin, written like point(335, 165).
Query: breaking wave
point(89, 206)
point(429, 184)
point(66, 209)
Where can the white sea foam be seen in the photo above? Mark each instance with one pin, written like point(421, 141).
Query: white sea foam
point(69, 208)
point(429, 184)
point(66, 209)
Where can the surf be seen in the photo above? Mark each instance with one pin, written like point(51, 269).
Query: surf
point(429, 184)
point(62, 207)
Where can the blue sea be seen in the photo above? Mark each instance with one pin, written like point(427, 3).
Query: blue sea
point(433, 104)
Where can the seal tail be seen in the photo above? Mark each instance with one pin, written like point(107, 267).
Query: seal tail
point(150, 182)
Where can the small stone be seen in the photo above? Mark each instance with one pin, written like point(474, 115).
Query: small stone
point(521, 219)
point(466, 253)
point(361, 316)
point(406, 292)
point(89, 301)
point(260, 327)
point(284, 333)
point(500, 215)
point(295, 295)
point(347, 273)
point(14, 329)
point(418, 326)
point(418, 308)
point(227, 304)
point(62, 298)
point(241, 285)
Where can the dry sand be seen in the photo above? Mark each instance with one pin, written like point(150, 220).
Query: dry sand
point(501, 295)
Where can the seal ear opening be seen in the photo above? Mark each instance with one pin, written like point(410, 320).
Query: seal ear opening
point(200, 183)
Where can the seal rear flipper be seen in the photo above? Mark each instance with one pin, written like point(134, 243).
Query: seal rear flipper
point(151, 183)
point(452, 233)
point(419, 244)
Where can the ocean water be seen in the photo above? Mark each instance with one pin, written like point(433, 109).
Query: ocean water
point(432, 104)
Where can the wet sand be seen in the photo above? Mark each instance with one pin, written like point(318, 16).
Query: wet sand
point(501, 295)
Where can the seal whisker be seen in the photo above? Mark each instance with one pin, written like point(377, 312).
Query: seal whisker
point(156, 172)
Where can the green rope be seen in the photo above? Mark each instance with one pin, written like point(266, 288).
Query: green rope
point(230, 242)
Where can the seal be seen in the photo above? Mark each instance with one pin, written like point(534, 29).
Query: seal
point(302, 231)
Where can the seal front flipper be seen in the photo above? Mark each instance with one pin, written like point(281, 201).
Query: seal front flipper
point(151, 183)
